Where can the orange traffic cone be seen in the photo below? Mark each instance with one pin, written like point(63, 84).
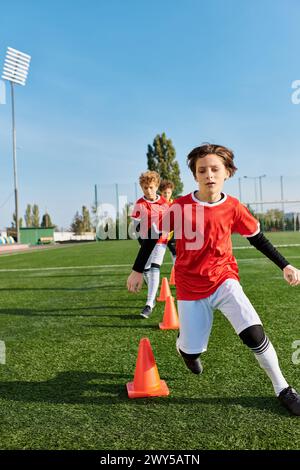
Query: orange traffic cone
point(146, 382)
point(172, 277)
point(170, 319)
point(164, 290)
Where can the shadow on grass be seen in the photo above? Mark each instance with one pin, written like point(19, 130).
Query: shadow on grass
point(142, 325)
point(52, 312)
point(98, 275)
point(77, 387)
point(79, 289)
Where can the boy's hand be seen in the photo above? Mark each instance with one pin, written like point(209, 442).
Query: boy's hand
point(135, 281)
point(291, 275)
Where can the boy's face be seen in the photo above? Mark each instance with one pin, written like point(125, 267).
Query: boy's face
point(167, 193)
point(149, 190)
point(211, 174)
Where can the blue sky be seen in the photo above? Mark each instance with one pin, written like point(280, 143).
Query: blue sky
point(106, 77)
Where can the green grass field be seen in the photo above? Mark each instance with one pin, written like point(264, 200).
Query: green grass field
point(72, 332)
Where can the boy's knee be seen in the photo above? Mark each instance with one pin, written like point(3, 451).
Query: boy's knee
point(253, 336)
point(192, 362)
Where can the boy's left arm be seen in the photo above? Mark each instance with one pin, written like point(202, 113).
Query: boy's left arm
point(261, 243)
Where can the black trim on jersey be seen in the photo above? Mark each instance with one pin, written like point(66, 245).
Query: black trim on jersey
point(261, 243)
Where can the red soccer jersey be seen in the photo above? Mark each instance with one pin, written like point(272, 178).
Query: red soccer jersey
point(201, 270)
point(149, 213)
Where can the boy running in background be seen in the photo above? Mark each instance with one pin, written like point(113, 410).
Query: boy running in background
point(207, 272)
point(147, 214)
point(166, 189)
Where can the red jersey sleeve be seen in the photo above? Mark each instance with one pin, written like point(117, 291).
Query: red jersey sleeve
point(138, 211)
point(245, 223)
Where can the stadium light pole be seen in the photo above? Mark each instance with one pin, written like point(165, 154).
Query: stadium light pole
point(282, 203)
point(15, 71)
point(240, 188)
point(255, 187)
point(260, 191)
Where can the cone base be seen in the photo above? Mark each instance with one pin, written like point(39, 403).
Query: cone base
point(162, 391)
point(163, 327)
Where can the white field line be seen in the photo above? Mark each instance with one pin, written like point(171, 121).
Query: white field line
point(112, 266)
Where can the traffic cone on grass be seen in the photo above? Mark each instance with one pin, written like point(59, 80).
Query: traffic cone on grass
point(172, 277)
point(164, 290)
point(170, 319)
point(146, 382)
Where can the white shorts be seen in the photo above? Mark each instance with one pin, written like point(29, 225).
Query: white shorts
point(157, 255)
point(196, 316)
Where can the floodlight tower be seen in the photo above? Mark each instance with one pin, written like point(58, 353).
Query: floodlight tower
point(255, 188)
point(15, 70)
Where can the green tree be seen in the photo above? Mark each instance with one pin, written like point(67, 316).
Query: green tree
point(289, 224)
point(297, 223)
point(81, 222)
point(77, 224)
point(273, 219)
point(28, 216)
point(161, 157)
point(46, 221)
point(86, 220)
point(13, 224)
point(35, 216)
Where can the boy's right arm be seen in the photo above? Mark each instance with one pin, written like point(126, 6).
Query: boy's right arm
point(135, 279)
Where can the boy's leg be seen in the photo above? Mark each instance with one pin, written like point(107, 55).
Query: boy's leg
point(154, 273)
point(195, 319)
point(235, 305)
point(147, 266)
point(237, 308)
point(254, 337)
point(153, 277)
point(147, 271)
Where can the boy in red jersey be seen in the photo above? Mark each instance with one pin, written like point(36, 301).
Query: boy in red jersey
point(166, 189)
point(207, 272)
point(147, 214)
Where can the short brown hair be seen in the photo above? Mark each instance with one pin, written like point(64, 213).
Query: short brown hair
point(149, 177)
point(165, 184)
point(206, 149)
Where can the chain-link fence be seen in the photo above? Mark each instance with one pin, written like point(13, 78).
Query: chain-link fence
point(274, 200)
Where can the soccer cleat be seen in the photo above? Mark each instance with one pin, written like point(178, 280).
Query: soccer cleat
point(192, 363)
point(290, 399)
point(146, 312)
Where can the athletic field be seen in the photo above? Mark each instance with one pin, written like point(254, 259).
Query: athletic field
point(72, 331)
